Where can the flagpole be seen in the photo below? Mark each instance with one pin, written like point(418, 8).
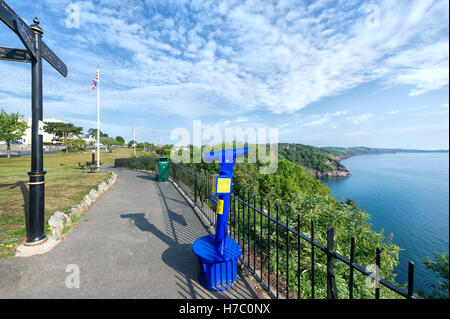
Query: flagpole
point(98, 119)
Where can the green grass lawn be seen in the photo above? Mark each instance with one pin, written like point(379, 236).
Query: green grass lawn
point(66, 186)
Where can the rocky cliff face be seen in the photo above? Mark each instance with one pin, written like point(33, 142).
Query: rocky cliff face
point(338, 170)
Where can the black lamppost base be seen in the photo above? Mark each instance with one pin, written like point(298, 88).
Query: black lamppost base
point(36, 241)
point(36, 216)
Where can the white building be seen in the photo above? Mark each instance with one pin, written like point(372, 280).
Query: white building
point(47, 138)
point(90, 140)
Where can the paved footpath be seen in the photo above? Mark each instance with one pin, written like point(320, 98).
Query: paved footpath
point(134, 242)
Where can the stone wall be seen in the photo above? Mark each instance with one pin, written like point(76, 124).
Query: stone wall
point(25, 148)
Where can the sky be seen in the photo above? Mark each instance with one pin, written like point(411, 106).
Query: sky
point(325, 73)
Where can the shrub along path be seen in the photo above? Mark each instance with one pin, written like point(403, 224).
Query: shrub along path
point(134, 242)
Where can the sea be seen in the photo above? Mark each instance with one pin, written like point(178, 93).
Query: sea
point(406, 194)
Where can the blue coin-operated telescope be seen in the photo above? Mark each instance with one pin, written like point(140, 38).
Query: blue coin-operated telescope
point(218, 254)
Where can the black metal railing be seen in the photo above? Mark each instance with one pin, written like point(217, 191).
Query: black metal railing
point(273, 250)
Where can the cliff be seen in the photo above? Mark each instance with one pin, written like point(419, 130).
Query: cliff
point(315, 160)
point(338, 170)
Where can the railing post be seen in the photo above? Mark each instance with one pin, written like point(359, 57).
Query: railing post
point(331, 279)
point(410, 279)
point(195, 188)
point(377, 273)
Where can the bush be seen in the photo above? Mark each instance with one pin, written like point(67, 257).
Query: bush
point(75, 145)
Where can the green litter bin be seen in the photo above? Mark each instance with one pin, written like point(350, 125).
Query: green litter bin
point(162, 169)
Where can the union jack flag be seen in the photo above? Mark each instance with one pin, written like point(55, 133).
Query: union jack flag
point(95, 82)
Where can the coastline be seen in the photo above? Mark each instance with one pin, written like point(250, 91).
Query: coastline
point(402, 203)
point(340, 170)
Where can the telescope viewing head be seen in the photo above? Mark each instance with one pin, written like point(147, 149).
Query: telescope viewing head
point(226, 158)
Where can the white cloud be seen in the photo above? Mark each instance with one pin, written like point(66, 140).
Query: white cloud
point(392, 112)
point(314, 123)
point(315, 120)
point(234, 57)
point(357, 119)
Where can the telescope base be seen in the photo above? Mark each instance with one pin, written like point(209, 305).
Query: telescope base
point(217, 272)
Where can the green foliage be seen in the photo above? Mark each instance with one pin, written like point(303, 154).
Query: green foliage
point(308, 156)
point(109, 141)
point(66, 229)
point(66, 131)
point(93, 132)
point(12, 128)
point(146, 162)
point(120, 140)
point(440, 266)
point(75, 218)
point(149, 155)
point(62, 130)
point(75, 145)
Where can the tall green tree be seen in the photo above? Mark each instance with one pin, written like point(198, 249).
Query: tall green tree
point(120, 140)
point(62, 130)
point(93, 132)
point(130, 143)
point(12, 128)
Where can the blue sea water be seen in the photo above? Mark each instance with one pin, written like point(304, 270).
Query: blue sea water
point(406, 194)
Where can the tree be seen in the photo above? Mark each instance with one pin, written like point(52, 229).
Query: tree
point(108, 141)
point(93, 132)
point(62, 130)
point(75, 145)
point(12, 128)
point(439, 265)
point(120, 140)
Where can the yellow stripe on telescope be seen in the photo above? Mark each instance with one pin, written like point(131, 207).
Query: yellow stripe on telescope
point(219, 207)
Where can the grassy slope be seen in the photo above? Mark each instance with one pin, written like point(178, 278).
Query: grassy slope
point(66, 185)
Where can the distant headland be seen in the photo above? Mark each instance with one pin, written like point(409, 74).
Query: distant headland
point(325, 161)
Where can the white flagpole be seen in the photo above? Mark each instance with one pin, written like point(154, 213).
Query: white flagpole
point(98, 119)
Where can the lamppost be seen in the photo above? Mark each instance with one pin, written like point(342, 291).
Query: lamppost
point(35, 50)
point(35, 230)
